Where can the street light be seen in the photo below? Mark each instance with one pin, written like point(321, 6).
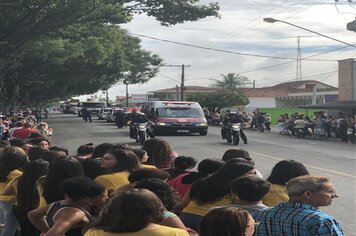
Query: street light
point(272, 20)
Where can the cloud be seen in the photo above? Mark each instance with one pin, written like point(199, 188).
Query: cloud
point(241, 29)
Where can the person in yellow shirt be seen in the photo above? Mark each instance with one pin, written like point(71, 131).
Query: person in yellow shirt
point(10, 162)
point(117, 164)
point(281, 173)
point(27, 198)
point(213, 191)
point(133, 213)
point(143, 157)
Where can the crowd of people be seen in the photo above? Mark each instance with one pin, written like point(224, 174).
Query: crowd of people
point(320, 126)
point(113, 189)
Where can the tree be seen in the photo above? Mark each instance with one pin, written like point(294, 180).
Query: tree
point(217, 100)
point(231, 81)
point(55, 48)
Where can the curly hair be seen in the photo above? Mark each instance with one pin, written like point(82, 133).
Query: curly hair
point(162, 190)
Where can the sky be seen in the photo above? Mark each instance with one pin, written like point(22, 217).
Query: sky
point(241, 30)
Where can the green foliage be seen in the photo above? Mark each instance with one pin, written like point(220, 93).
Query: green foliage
point(58, 49)
point(231, 81)
point(218, 100)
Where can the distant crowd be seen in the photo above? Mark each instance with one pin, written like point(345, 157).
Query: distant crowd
point(113, 189)
point(320, 126)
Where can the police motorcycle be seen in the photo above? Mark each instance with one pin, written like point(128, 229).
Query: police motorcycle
point(232, 127)
point(140, 128)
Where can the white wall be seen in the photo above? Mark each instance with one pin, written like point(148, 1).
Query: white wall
point(262, 102)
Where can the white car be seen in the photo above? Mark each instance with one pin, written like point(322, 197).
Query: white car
point(110, 115)
point(103, 113)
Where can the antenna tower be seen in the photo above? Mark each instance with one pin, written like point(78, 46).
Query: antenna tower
point(299, 61)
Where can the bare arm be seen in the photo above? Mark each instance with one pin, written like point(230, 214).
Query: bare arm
point(185, 200)
point(66, 219)
point(9, 190)
point(38, 218)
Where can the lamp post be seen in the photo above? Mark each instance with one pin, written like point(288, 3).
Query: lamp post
point(272, 20)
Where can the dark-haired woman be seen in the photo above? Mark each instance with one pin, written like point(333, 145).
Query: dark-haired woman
point(183, 182)
point(27, 198)
point(168, 197)
point(182, 165)
point(213, 191)
point(281, 173)
point(133, 213)
point(59, 170)
point(69, 216)
point(227, 221)
point(143, 157)
point(117, 164)
point(10, 163)
point(160, 153)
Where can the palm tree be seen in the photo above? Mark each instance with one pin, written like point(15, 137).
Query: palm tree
point(231, 81)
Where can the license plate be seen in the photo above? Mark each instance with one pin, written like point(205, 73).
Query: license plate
point(183, 131)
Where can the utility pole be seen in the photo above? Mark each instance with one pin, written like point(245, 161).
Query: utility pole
point(127, 94)
point(182, 85)
point(182, 79)
point(177, 93)
point(107, 97)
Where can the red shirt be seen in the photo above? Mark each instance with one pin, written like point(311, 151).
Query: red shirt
point(177, 184)
point(23, 133)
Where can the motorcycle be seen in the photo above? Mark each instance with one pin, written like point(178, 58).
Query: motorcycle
point(142, 131)
point(233, 133)
point(302, 132)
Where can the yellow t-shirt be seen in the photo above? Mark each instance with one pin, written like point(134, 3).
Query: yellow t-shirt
point(114, 180)
point(39, 186)
point(12, 175)
point(201, 210)
point(277, 193)
point(156, 231)
point(148, 166)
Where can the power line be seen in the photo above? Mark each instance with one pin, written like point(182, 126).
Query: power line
point(280, 64)
point(221, 50)
point(168, 77)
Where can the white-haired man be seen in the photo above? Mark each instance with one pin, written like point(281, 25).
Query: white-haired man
point(301, 215)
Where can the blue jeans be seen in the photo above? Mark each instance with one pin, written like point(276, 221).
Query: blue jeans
point(8, 218)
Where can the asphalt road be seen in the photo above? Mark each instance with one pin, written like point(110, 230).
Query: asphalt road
point(328, 158)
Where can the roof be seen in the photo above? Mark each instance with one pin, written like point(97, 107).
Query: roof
point(297, 84)
point(264, 92)
point(350, 104)
point(279, 90)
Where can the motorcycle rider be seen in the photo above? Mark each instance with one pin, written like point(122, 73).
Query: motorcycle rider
point(119, 118)
point(233, 117)
point(138, 117)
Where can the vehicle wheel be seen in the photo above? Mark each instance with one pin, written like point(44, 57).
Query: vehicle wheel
point(236, 139)
point(142, 137)
point(203, 132)
point(228, 138)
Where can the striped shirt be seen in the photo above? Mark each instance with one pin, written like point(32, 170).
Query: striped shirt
point(295, 219)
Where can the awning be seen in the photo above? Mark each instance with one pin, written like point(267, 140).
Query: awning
point(350, 104)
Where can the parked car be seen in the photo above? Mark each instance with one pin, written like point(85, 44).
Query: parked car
point(110, 115)
point(103, 113)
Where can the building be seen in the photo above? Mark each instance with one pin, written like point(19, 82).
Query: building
point(346, 103)
point(290, 94)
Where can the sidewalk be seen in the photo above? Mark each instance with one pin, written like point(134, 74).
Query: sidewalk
point(276, 130)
